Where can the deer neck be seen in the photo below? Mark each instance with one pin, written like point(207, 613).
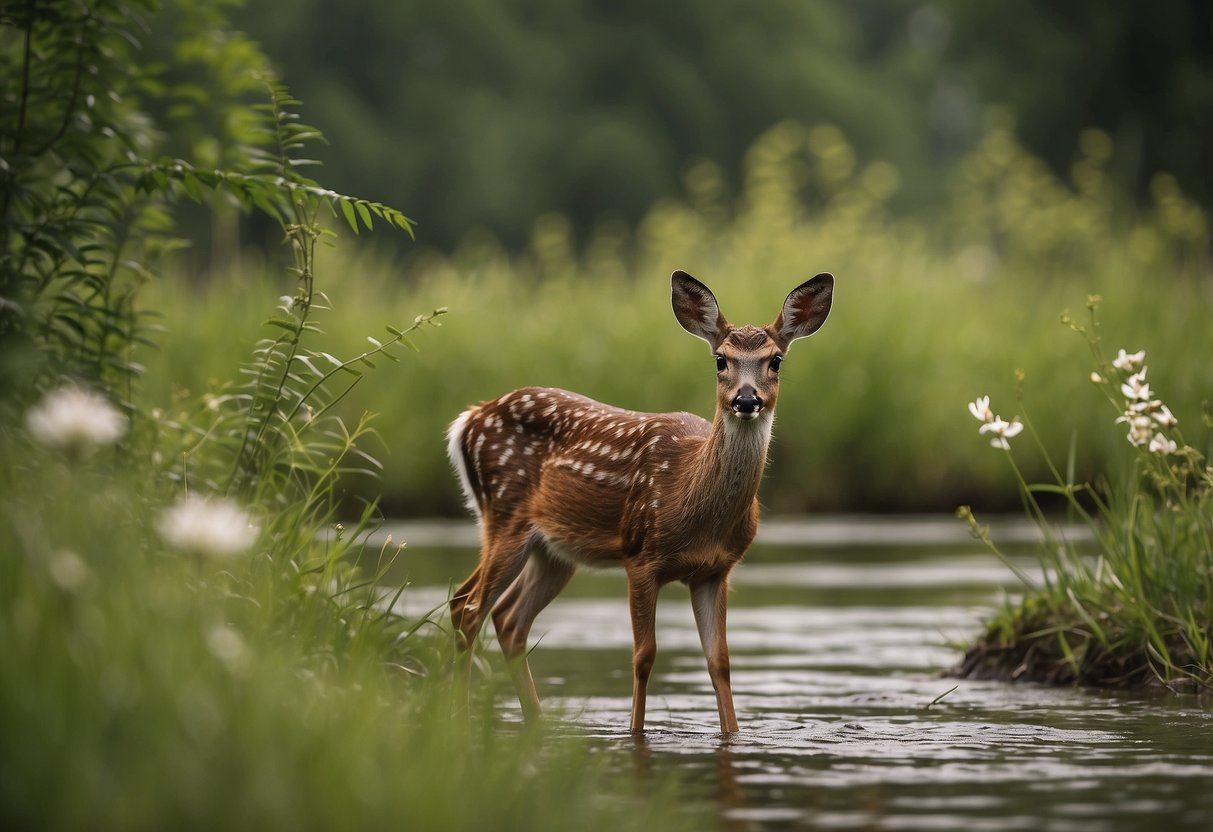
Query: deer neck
point(729, 468)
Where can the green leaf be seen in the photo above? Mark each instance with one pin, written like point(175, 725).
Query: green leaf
point(348, 211)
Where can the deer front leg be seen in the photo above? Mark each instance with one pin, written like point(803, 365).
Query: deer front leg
point(642, 602)
point(709, 600)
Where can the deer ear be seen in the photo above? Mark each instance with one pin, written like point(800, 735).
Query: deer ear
point(696, 309)
point(805, 310)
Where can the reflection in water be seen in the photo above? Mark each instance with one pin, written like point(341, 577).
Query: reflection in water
point(835, 661)
point(729, 795)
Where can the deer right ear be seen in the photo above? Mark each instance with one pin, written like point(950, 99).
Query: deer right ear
point(696, 309)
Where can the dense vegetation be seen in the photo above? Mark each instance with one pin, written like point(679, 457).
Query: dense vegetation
point(926, 314)
point(190, 640)
point(1130, 607)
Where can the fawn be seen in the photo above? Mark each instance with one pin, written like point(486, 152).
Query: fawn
point(558, 481)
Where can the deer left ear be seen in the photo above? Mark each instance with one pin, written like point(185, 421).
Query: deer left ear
point(805, 310)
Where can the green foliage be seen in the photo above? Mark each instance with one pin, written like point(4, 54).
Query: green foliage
point(190, 640)
point(485, 115)
point(148, 688)
point(1135, 611)
point(77, 237)
point(1142, 72)
point(926, 313)
point(274, 434)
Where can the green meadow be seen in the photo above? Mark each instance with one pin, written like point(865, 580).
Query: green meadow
point(929, 315)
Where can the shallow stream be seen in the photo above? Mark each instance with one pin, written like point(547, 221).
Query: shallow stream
point(839, 631)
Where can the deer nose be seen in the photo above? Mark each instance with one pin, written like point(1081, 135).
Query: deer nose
point(747, 404)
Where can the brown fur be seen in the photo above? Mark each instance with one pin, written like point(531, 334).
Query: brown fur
point(562, 481)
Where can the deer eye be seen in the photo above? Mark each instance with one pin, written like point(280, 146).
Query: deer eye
point(721, 364)
point(775, 362)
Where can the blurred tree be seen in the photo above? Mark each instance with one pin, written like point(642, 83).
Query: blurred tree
point(483, 114)
point(1141, 70)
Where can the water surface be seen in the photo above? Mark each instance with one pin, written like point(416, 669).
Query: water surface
point(839, 632)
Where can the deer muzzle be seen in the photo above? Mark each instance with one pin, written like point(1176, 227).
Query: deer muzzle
point(747, 405)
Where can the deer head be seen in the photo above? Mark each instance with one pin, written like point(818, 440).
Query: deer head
point(748, 358)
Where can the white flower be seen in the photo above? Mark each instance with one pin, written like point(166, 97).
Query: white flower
point(1140, 426)
point(1136, 387)
point(1002, 431)
point(1162, 445)
point(981, 409)
point(227, 646)
point(68, 570)
point(1096, 378)
point(75, 420)
point(1163, 415)
point(214, 527)
point(1129, 361)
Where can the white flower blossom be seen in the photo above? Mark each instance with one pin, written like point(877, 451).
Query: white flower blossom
point(75, 420)
point(1163, 415)
point(1140, 427)
point(1096, 378)
point(981, 409)
point(1136, 388)
point(213, 527)
point(68, 570)
point(227, 646)
point(1129, 361)
point(1002, 431)
point(1162, 445)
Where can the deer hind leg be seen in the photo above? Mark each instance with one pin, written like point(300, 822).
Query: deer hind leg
point(542, 579)
point(709, 600)
point(501, 560)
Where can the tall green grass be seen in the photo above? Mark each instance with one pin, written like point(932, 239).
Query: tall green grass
point(1134, 606)
point(148, 688)
point(927, 311)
